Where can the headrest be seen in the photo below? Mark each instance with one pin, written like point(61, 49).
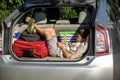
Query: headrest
point(40, 17)
point(84, 17)
point(62, 22)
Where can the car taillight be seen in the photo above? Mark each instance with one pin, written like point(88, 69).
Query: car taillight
point(102, 45)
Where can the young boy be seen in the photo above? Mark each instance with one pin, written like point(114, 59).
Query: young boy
point(75, 50)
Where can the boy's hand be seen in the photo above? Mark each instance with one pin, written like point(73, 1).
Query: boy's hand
point(60, 44)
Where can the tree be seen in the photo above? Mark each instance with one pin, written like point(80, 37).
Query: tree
point(7, 6)
point(68, 12)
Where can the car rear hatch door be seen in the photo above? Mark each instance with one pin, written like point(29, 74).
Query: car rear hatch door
point(59, 1)
point(31, 1)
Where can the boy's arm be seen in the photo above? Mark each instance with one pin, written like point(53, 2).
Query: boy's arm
point(66, 53)
point(80, 51)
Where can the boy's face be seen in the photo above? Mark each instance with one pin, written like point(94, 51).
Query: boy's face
point(79, 38)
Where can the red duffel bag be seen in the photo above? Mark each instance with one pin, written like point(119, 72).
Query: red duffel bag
point(36, 49)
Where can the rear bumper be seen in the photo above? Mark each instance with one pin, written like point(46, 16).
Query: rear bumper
point(100, 68)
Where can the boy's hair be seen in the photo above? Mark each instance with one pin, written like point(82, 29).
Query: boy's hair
point(83, 33)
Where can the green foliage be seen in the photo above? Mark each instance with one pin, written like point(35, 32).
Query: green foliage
point(68, 12)
point(7, 6)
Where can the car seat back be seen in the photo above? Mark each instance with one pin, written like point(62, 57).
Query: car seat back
point(40, 17)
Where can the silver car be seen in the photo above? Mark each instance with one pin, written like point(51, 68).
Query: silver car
point(99, 62)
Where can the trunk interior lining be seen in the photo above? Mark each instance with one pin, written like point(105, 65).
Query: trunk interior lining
point(58, 28)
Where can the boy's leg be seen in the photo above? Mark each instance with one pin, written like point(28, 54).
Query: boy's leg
point(48, 32)
point(52, 46)
point(51, 39)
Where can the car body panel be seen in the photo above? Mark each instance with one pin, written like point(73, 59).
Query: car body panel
point(16, 70)
point(30, 3)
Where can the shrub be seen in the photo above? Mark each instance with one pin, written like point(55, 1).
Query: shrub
point(7, 6)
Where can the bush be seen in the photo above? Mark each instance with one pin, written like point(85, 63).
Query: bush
point(68, 12)
point(7, 6)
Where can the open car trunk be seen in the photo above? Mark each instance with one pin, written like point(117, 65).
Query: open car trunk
point(62, 19)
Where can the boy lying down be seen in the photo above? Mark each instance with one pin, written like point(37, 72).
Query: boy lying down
point(69, 50)
point(60, 49)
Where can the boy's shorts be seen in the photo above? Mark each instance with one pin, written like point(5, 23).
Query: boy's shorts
point(52, 46)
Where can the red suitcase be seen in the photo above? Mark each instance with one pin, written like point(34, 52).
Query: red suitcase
point(37, 49)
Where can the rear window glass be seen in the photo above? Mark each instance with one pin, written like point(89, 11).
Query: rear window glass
point(59, 13)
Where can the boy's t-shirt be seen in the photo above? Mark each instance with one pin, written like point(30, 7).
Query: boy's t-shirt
point(76, 49)
point(72, 47)
point(80, 50)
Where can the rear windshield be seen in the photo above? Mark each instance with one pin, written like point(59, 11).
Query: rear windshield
point(52, 33)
